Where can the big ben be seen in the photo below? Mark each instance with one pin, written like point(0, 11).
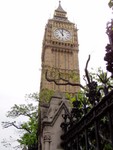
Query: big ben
point(59, 54)
point(60, 50)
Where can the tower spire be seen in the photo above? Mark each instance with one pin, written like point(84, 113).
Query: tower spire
point(60, 12)
point(60, 9)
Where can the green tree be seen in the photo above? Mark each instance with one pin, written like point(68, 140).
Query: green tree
point(103, 80)
point(28, 112)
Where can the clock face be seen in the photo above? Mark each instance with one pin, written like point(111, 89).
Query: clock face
point(62, 34)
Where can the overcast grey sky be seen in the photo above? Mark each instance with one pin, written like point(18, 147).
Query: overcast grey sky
point(22, 24)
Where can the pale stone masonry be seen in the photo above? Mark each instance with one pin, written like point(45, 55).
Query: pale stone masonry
point(59, 51)
point(59, 54)
point(51, 118)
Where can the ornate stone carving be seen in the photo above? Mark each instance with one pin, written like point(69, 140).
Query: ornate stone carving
point(47, 137)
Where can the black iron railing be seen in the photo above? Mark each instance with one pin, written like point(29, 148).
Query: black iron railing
point(90, 131)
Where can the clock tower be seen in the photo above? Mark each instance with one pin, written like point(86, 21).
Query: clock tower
point(60, 60)
point(60, 52)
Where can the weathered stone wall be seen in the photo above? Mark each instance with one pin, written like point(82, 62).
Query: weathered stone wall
point(51, 121)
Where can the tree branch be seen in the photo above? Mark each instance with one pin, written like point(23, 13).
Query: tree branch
point(21, 110)
point(65, 80)
point(86, 71)
point(9, 124)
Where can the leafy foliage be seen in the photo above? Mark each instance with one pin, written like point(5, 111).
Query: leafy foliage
point(45, 95)
point(62, 77)
point(103, 80)
point(98, 85)
point(57, 74)
point(22, 109)
point(28, 139)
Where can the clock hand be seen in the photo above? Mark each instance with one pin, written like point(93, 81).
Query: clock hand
point(61, 31)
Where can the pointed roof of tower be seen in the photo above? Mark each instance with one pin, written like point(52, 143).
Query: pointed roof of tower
point(60, 14)
point(60, 9)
